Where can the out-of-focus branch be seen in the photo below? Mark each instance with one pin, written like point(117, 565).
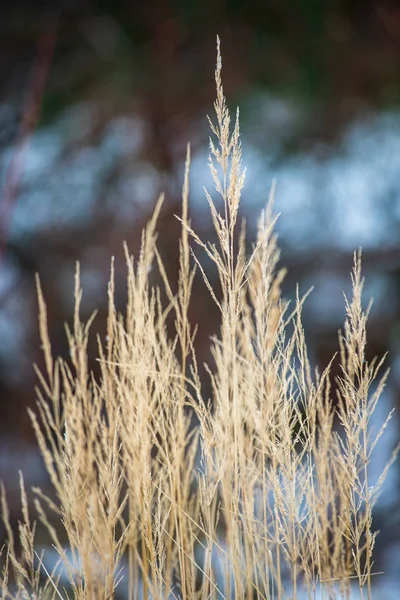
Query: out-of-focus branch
point(390, 19)
point(41, 69)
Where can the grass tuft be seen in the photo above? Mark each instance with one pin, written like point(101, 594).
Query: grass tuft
point(266, 497)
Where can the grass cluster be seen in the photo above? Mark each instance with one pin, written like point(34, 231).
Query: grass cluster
point(261, 491)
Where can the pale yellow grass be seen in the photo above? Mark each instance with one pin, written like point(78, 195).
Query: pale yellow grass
point(265, 498)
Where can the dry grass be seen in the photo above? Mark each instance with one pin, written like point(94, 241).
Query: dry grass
point(265, 498)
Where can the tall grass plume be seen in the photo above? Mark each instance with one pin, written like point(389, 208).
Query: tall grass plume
point(262, 490)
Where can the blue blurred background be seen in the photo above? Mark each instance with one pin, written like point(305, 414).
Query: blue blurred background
point(97, 102)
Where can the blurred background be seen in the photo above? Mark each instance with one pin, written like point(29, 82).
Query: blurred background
point(97, 102)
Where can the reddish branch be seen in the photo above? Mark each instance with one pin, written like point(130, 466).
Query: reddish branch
point(40, 73)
